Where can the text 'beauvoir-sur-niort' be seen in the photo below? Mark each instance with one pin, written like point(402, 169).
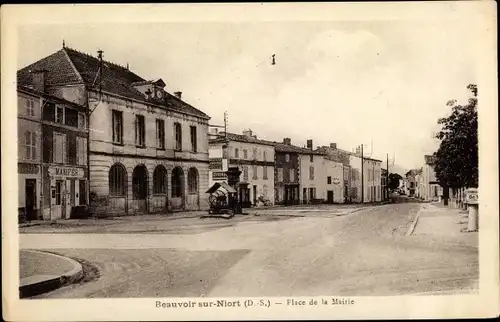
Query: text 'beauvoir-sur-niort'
point(253, 303)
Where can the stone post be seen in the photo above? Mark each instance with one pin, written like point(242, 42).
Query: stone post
point(473, 202)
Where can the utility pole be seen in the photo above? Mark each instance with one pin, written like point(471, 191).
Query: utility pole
point(87, 121)
point(387, 179)
point(225, 125)
point(362, 177)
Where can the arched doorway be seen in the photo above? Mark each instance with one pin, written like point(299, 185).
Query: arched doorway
point(117, 201)
point(193, 198)
point(140, 188)
point(158, 202)
point(177, 184)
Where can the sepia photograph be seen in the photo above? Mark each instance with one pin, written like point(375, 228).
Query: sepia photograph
point(211, 164)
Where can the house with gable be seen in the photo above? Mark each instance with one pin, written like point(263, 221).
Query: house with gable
point(148, 148)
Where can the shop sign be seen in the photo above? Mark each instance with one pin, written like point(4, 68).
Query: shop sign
point(472, 196)
point(27, 168)
point(219, 176)
point(67, 172)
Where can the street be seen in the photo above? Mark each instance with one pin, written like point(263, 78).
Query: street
point(359, 252)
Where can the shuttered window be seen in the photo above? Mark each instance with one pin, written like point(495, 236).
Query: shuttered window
point(81, 150)
point(30, 145)
point(59, 148)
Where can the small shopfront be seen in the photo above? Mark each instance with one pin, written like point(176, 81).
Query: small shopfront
point(68, 188)
point(29, 190)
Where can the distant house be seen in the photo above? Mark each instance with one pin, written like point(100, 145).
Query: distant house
point(430, 189)
point(313, 176)
point(255, 159)
point(287, 174)
point(335, 155)
point(411, 178)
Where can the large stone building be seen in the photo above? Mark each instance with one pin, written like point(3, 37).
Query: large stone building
point(148, 149)
point(253, 157)
point(52, 152)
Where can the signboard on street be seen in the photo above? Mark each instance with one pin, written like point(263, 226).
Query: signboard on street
point(66, 172)
point(216, 176)
point(472, 196)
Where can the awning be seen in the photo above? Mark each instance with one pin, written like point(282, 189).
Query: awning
point(218, 185)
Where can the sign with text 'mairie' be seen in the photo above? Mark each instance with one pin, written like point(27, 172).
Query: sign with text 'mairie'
point(66, 172)
point(472, 197)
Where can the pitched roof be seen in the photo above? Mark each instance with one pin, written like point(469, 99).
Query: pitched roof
point(55, 99)
point(279, 147)
point(68, 66)
point(240, 138)
point(282, 147)
point(327, 149)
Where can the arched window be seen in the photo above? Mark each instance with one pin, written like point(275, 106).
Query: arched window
point(177, 182)
point(160, 180)
point(178, 136)
point(193, 180)
point(117, 180)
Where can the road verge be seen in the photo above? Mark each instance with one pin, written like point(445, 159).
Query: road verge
point(413, 225)
point(36, 284)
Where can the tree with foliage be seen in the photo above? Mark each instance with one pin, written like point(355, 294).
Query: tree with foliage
point(456, 164)
point(394, 181)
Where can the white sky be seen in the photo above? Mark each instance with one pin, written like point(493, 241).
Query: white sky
point(345, 82)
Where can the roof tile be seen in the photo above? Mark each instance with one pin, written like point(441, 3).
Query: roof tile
point(68, 66)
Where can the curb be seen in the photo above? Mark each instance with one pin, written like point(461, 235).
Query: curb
point(277, 215)
point(301, 216)
point(50, 282)
point(356, 210)
point(414, 224)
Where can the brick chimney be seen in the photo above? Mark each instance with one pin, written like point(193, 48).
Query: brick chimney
point(39, 78)
point(287, 141)
point(310, 144)
point(247, 133)
point(178, 95)
point(333, 145)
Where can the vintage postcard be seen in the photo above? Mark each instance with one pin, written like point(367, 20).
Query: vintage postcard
point(250, 161)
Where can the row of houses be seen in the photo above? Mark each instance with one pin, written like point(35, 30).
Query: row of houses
point(92, 132)
point(287, 174)
point(422, 182)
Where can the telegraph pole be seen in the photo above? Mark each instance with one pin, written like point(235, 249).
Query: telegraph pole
point(362, 177)
point(225, 125)
point(387, 179)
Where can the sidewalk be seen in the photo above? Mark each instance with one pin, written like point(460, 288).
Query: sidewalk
point(437, 220)
point(41, 272)
point(112, 220)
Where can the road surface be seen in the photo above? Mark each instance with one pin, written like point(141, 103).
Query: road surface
point(365, 252)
